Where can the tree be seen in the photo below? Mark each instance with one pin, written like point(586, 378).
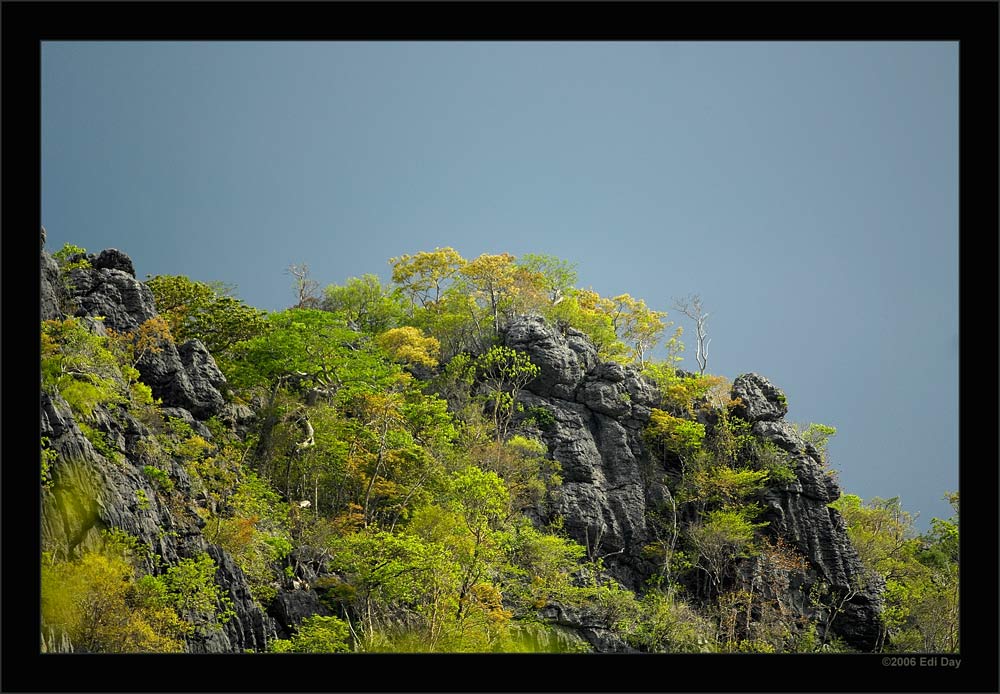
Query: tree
point(579, 308)
point(920, 572)
point(721, 537)
point(196, 310)
point(557, 276)
point(504, 371)
point(366, 303)
point(316, 634)
point(306, 288)
point(692, 308)
point(105, 603)
point(493, 277)
point(425, 276)
point(635, 324)
point(408, 345)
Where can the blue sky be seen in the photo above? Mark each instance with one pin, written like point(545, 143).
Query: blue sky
point(807, 190)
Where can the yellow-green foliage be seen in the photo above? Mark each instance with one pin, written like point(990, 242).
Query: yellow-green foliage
point(49, 456)
point(255, 533)
point(722, 484)
point(78, 365)
point(64, 255)
point(920, 571)
point(198, 310)
point(685, 395)
point(409, 345)
point(99, 440)
point(316, 634)
point(664, 623)
point(105, 604)
point(674, 434)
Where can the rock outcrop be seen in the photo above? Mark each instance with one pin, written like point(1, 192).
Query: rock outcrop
point(183, 375)
point(800, 513)
point(94, 490)
point(600, 410)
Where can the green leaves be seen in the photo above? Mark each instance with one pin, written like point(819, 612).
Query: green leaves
point(366, 303)
point(504, 371)
point(198, 310)
point(316, 634)
point(674, 434)
point(920, 571)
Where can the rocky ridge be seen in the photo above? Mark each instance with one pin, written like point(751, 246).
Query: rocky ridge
point(600, 410)
point(90, 492)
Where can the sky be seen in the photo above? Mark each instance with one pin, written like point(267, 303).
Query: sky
point(807, 191)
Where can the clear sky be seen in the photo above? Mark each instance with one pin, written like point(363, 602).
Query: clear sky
point(807, 190)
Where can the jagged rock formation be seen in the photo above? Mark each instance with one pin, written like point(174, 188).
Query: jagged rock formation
point(600, 410)
point(90, 493)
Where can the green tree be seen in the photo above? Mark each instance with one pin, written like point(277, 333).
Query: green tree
point(504, 371)
point(723, 536)
point(635, 324)
point(105, 602)
point(920, 572)
point(316, 634)
point(425, 275)
point(365, 302)
point(558, 276)
point(78, 364)
point(198, 310)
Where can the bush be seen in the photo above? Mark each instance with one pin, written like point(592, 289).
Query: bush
point(673, 434)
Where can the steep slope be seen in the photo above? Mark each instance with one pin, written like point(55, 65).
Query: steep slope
point(613, 486)
point(600, 411)
point(90, 491)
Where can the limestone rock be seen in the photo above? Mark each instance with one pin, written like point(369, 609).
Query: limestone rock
point(290, 607)
point(113, 259)
point(761, 400)
point(90, 493)
point(53, 294)
point(124, 302)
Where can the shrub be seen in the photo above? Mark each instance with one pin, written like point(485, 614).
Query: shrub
point(673, 434)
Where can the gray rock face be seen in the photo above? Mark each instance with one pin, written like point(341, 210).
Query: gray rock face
point(599, 412)
point(123, 301)
point(291, 607)
point(588, 624)
point(113, 259)
point(563, 361)
point(90, 493)
point(186, 377)
point(799, 513)
point(761, 399)
point(181, 375)
point(53, 295)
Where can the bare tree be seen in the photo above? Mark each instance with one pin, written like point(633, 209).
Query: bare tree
point(306, 287)
point(691, 307)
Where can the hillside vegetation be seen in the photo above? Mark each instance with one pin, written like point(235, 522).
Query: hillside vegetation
point(408, 467)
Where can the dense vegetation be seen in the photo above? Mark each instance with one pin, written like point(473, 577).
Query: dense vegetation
point(389, 448)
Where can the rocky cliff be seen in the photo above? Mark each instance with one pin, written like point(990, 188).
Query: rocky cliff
point(600, 410)
point(90, 492)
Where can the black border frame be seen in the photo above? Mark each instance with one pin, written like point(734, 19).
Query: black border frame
point(26, 24)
